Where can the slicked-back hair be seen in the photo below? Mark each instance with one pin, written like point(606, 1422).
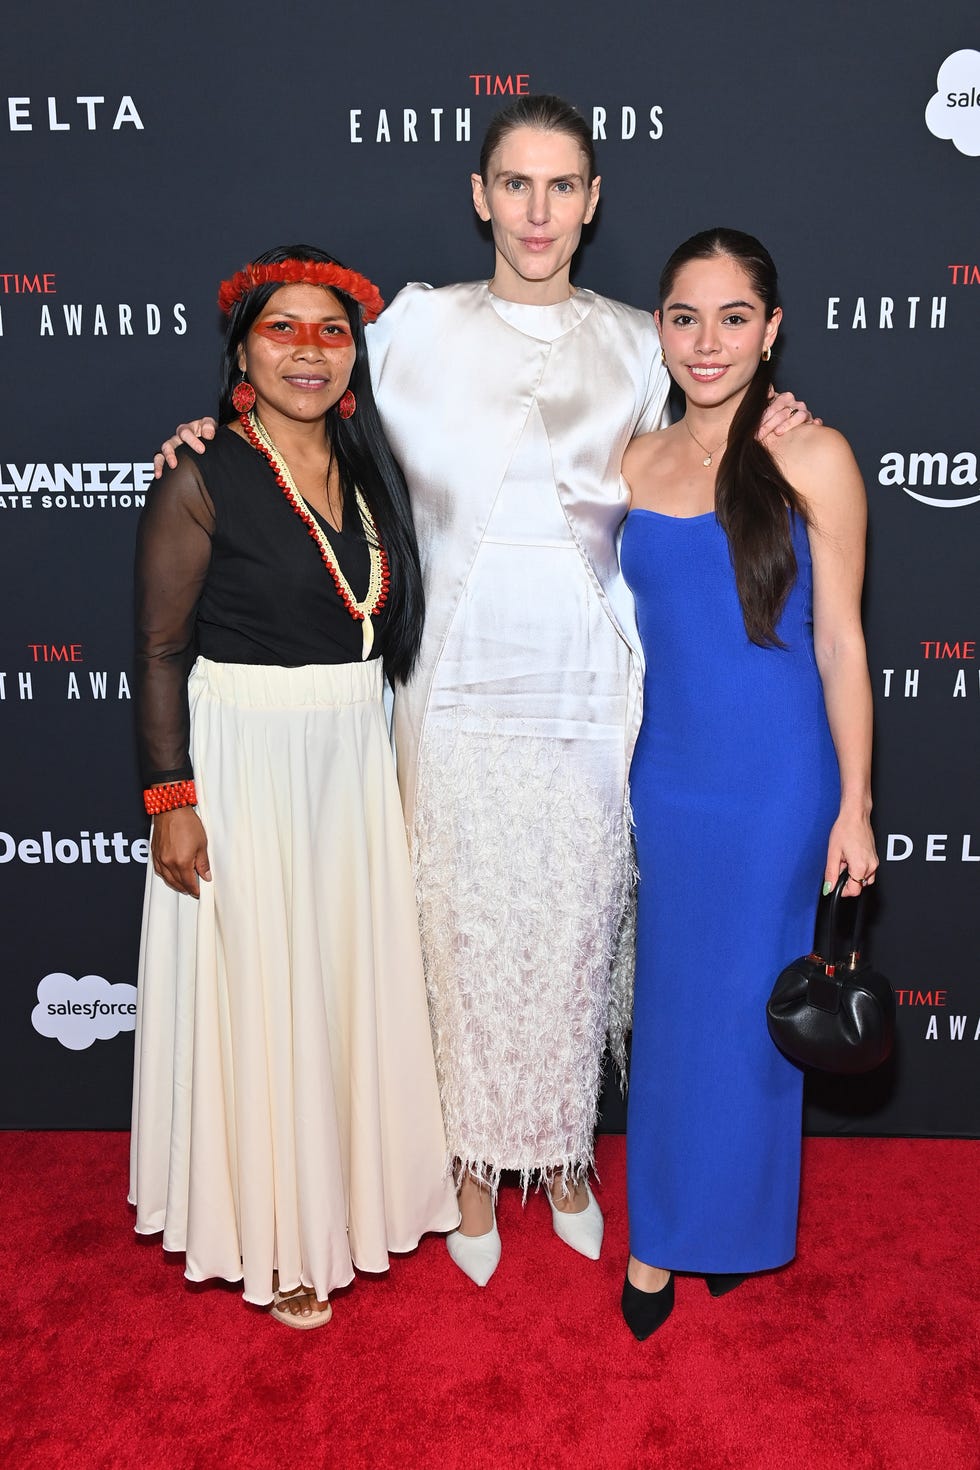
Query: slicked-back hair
point(545, 112)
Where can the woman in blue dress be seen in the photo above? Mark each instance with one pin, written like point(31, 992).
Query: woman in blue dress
point(746, 559)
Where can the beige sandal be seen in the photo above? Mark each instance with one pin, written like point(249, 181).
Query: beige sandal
point(315, 1318)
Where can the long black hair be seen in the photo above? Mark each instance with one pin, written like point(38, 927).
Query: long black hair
point(540, 110)
point(363, 455)
point(751, 494)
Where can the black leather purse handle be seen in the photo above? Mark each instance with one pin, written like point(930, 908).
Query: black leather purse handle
point(832, 951)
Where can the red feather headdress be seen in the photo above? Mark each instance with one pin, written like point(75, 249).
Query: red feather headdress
point(294, 272)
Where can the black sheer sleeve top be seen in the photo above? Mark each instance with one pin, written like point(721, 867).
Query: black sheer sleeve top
point(227, 570)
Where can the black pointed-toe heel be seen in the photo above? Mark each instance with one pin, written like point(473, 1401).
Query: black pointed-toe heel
point(720, 1283)
point(645, 1311)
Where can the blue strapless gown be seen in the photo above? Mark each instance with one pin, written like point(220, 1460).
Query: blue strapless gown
point(735, 788)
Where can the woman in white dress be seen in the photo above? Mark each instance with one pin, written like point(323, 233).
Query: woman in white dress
point(509, 405)
point(286, 1118)
point(514, 737)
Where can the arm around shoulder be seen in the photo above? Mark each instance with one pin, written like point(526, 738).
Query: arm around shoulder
point(195, 435)
point(392, 320)
point(655, 409)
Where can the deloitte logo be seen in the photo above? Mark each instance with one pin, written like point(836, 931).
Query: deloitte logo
point(78, 1012)
point(84, 847)
point(932, 472)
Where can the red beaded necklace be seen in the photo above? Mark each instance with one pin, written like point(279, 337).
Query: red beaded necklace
point(378, 581)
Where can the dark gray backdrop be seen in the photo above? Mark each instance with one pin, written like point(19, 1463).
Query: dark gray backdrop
point(803, 124)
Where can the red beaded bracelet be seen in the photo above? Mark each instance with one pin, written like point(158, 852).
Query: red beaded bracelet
point(167, 798)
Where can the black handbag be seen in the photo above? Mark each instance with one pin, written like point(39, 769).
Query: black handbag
point(829, 1009)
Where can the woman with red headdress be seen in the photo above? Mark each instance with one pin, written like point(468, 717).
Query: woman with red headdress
point(286, 1118)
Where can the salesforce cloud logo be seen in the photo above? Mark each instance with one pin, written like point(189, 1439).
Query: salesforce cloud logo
point(954, 108)
point(78, 1012)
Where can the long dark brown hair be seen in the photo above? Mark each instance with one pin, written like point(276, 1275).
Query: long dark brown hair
point(751, 494)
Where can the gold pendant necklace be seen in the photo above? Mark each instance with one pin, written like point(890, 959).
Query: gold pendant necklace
point(708, 453)
point(377, 593)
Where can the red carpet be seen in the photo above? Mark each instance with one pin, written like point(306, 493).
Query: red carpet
point(864, 1355)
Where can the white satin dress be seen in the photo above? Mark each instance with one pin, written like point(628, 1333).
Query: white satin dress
point(514, 738)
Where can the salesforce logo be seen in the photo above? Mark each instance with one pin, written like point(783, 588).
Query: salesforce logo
point(78, 1012)
point(953, 111)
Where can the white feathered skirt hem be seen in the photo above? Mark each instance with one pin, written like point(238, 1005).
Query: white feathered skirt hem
point(285, 1109)
point(524, 875)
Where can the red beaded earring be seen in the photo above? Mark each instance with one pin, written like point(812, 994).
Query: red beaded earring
point(243, 396)
point(347, 405)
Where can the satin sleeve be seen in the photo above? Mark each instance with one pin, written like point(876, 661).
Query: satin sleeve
point(173, 554)
point(393, 320)
point(654, 412)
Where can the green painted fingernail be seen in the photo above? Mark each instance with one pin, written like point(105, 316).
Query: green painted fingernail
point(827, 888)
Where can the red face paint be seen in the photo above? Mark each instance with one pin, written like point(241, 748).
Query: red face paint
point(287, 333)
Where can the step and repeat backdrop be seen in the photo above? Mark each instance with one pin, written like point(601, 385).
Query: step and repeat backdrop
point(146, 153)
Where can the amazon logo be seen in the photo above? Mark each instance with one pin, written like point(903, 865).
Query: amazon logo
point(947, 481)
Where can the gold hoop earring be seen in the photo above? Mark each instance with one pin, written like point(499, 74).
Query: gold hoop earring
point(663, 357)
point(766, 354)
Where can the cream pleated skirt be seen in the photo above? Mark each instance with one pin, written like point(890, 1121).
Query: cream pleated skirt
point(285, 1108)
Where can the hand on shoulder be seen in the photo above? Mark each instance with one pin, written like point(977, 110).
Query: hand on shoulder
point(195, 434)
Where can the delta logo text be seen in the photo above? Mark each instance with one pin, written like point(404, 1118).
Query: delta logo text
point(95, 485)
point(89, 113)
point(932, 477)
point(79, 1012)
point(932, 847)
point(62, 668)
point(953, 110)
point(944, 667)
point(425, 123)
point(28, 295)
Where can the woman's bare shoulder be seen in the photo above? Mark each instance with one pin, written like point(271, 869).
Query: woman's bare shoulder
point(822, 468)
point(811, 450)
point(646, 449)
